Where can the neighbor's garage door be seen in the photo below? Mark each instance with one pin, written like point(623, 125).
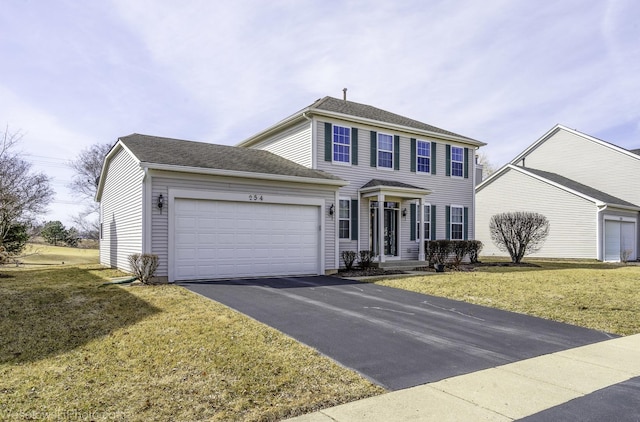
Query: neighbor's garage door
point(221, 239)
point(619, 240)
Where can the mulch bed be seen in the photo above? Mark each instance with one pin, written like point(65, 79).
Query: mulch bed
point(367, 272)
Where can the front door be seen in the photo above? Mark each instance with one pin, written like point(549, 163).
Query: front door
point(389, 233)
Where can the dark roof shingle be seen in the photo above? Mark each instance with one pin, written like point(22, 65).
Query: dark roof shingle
point(369, 112)
point(390, 183)
point(169, 151)
point(579, 187)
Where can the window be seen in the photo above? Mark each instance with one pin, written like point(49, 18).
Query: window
point(457, 224)
point(341, 144)
point(423, 156)
point(344, 215)
point(457, 161)
point(427, 223)
point(385, 151)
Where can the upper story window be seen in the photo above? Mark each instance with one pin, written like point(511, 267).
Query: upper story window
point(457, 222)
point(457, 161)
point(385, 151)
point(344, 215)
point(427, 223)
point(423, 156)
point(341, 144)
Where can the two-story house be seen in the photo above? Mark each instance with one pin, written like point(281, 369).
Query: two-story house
point(403, 174)
point(335, 176)
point(587, 188)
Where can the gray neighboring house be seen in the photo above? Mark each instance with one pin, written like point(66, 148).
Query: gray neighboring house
point(334, 176)
point(589, 190)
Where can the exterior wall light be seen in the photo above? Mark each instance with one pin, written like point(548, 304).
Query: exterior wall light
point(404, 212)
point(160, 202)
point(332, 208)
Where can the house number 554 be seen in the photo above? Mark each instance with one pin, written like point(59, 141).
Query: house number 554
point(255, 197)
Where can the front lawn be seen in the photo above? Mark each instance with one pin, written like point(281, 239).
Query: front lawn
point(71, 349)
point(590, 294)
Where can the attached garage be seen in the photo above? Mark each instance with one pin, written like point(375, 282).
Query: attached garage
point(212, 212)
point(222, 239)
point(619, 240)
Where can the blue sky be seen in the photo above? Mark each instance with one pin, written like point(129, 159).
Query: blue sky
point(503, 72)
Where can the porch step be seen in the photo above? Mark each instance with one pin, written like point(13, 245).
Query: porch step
point(406, 265)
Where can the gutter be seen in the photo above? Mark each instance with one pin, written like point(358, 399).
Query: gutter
point(244, 174)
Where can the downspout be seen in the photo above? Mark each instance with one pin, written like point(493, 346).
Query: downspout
point(599, 232)
point(359, 223)
point(147, 211)
point(473, 200)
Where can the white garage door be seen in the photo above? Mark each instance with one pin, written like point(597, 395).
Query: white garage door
point(619, 240)
point(221, 239)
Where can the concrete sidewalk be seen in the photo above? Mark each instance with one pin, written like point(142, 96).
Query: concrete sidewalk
point(503, 393)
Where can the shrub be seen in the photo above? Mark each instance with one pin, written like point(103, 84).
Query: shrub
point(441, 251)
point(348, 257)
point(364, 260)
point(475, 246)
point(15, 239)
point(459, 249)
point(519, 233)
point(143, 266)
point(4, 255)
point(429, 252)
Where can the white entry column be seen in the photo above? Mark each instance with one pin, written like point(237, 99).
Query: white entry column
point(421, 254)
point(381, 227)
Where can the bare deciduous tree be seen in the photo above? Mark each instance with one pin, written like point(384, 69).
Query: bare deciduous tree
point(488, 168)
point(87, 167)
point(23, 194)
point(519, 233)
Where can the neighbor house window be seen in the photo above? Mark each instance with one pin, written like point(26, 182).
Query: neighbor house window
point(385, 151)
point(423, 156)
point(344, 215)
point(457, 224)
point(427, 223)
point(341, 144)
point(457, 161)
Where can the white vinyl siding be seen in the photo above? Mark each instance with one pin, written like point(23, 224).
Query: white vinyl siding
point(591, 163)
point(572, 219)
point(445, 190)
point(293, 144)
point(121, 211)
point(163, 181)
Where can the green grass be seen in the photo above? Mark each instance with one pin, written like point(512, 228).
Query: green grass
point(587, 293)
point(72, 349)
point(41, 254)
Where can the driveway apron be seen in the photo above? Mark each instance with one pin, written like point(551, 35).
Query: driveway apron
point(395, 338)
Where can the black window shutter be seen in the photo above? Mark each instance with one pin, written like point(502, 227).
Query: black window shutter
point(354, 146)
point(413, 216)
point(413, 155)
point(374, 148)
point(448, 222)
point(433, 158)
point(433, 222)
point(465, 230)
point(328, 142)
point(448, 173)
point(396, 152)
point(354, 219)
point(466, 163)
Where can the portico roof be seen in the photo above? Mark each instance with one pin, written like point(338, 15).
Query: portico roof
point(392, 188)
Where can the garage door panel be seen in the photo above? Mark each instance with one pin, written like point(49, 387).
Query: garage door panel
point(218, 239)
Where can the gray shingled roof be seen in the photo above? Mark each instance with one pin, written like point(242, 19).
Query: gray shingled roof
point(579, 187)
point(635, 151)
point(391, 183)
point(368, 112)
point(176, 152)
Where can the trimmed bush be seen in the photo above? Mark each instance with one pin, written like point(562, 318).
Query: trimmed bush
point(441, 251)
point(348, 257)
point(143, 266)
point(475, 246)
point(364, 260)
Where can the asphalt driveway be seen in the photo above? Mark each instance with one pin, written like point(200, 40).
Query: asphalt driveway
point(395, 338)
